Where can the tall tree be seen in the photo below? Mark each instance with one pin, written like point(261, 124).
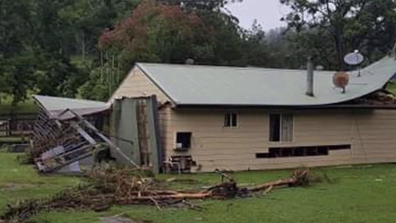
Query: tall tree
point(350, 23)
point(16, 53)
point(204, 5)
point(171, 32)
point(255, 50)
point(86, 20)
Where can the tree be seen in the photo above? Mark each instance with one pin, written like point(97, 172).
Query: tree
point(16, 57)
point(204, 5)
point(86, 20)
point(256, 52)
point(170, 32)
point(350, 23)
point(53, 67)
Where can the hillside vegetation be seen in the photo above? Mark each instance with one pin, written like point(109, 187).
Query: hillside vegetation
point(84, 48)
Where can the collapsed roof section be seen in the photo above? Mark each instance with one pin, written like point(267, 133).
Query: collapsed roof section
point(62, 137)
point(60, 143)
point(56, 106)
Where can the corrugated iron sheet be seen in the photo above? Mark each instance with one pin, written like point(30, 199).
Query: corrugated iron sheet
point(211, 85)
point(56, 105)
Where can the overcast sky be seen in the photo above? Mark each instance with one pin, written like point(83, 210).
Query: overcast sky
point(267, 12)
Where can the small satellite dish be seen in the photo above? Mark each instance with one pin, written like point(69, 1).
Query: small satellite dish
point(354, 58)
point(341, 80)
point(319, 67)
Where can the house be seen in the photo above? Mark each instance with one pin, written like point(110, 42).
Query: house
point(253, 118)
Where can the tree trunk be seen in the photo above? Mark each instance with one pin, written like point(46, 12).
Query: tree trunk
point(339, 43)
point(83, 46)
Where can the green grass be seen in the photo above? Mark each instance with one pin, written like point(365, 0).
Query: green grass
point(12, 139)
point(23, 108)
point(27, 106)
point(362, 194)
point(22, 181)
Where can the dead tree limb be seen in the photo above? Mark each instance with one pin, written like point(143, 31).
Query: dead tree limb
point(278, 183)
point(155, 202)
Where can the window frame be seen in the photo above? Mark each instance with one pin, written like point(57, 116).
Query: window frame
point(271, 126)
point(229, 123)
point(183, 148)
point(281, 134)
point(291, 125)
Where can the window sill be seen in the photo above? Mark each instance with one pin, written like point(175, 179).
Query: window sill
point(181, 149)
point(227, 127)
point(281, 143)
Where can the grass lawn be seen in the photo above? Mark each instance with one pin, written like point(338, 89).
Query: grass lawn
point(24, 107)
point(362, 194)
point(12, 139)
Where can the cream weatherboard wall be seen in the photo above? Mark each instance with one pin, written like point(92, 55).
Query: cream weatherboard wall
point(136, 84)
point(371, 133)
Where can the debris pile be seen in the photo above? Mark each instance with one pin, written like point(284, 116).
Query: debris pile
point(59, 143)
point(377, 98)
point(125, 186)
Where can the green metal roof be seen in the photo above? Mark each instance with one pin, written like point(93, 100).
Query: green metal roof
point(212, 85)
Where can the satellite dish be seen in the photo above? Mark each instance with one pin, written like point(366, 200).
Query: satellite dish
point(341, 80)
point(319, 67)
point(354, 58)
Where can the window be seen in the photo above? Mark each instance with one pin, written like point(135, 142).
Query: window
point(183, 140)
point(284, 152)
point(274, 128)
point(281, 127)
point(231, 119)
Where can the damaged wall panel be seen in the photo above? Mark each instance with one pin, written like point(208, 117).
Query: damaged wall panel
point(136, 119)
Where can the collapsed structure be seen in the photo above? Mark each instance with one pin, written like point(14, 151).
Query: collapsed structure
point(69, 133)
point(62, 137)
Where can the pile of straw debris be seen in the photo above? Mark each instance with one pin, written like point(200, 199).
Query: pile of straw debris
point(125, 186)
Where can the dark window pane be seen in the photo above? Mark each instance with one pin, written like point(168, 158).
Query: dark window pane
point(230, 120)
point(299, 151)
point(323, 150)
point(184, 138)
point(274, 128)
point(312, 151)
point(234, 120)
point(283, 152)
point(227, 120)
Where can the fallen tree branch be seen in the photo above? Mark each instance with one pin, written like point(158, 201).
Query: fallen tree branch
point(128, 187)
point(268, 190)
point(277, 183)
point(156, 203)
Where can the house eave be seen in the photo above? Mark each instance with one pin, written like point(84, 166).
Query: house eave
point(284, 107)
